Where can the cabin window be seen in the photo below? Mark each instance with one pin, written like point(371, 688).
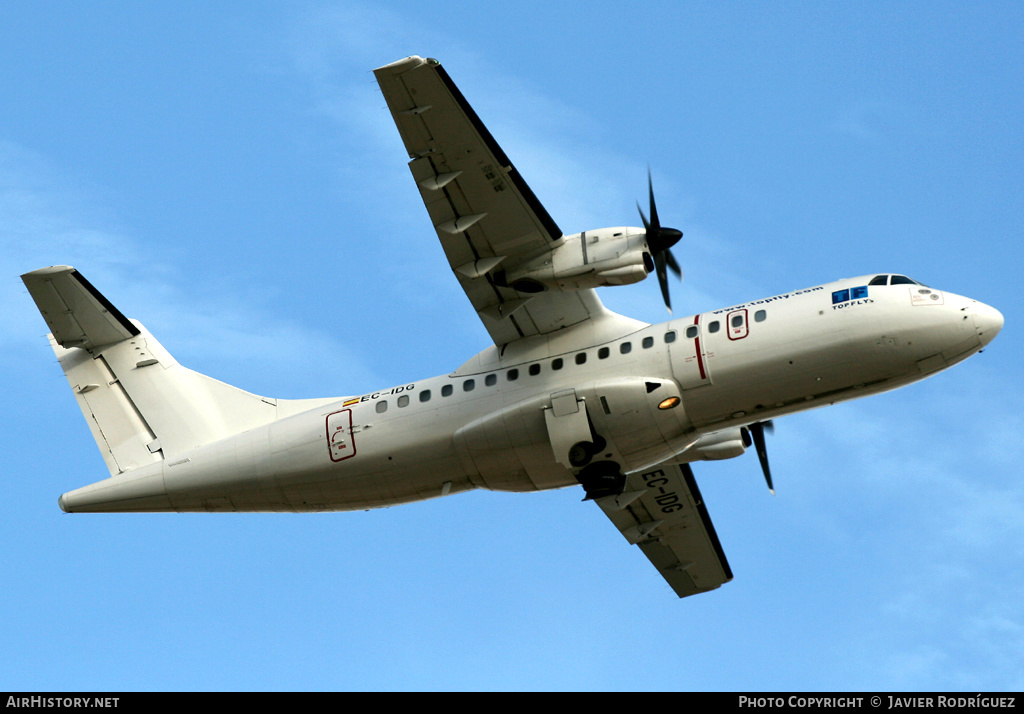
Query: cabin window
point(713, 326)
point(425, 395)
point(648, 343)
point(490, 380)
point(581, 358)
point(513, 375)
point(556, 363)
point(446, 390)
point(760, 316)
point(469, 385)
point(403, 401)
point(691, 331)
point(534, 370)
point(382, 406)
point(737, 320)
point(625, 348)
point(603, 353)
point(670, 336)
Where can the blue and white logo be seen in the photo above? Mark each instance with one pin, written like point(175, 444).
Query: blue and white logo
point(858, 293)
point(850, 297)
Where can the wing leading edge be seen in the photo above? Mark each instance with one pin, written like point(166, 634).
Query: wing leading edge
point(485, 214)
point(661, 511)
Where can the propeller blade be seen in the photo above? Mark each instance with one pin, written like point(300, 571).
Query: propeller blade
point(647, 226)
point(757, 434)
point(673, 265)
point(659, 265)
point(654, 209)
point(659, 240)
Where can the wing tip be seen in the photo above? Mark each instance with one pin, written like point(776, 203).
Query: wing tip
point(51, 270)
point(405, 64)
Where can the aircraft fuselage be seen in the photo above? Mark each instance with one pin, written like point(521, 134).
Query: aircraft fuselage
point(498, 421)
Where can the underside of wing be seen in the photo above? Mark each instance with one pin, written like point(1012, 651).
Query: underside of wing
point(662, 512)
point(486, 217)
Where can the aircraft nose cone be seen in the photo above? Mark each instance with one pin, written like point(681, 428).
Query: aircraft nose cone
point(989, 322)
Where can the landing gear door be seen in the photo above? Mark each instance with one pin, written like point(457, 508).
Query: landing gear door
point(567, 424)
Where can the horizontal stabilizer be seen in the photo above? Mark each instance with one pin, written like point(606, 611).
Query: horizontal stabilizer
point(77, 313)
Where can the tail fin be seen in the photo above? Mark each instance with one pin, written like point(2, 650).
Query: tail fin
point(141, 405)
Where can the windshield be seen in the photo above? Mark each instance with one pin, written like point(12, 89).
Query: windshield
point(893, 280)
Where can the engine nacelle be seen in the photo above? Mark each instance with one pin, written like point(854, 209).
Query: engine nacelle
point(591, 259)
point(718, 445)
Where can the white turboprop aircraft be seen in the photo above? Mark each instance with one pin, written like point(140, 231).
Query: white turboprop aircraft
point(570, 393)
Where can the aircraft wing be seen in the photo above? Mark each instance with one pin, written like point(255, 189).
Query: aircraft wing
point(661, 511)
point(485, 214)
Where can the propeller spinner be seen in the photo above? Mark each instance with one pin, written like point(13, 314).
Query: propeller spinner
point(659, 240)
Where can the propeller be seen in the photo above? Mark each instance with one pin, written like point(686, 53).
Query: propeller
point(659, 240)
point(755, 433)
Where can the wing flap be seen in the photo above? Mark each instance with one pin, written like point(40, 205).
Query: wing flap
point(662, 511)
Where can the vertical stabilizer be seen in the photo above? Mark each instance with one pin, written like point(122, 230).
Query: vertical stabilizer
point(141, 405)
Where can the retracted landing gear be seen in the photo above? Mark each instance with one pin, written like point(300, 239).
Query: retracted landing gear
point(583, 451)
point(601, 478)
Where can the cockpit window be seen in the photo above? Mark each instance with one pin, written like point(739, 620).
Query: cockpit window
point(893, 280)
point(902, 280)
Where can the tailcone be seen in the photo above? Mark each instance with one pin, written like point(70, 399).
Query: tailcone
point(138, 490)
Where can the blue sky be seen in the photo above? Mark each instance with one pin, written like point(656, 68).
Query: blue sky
point(230, 176)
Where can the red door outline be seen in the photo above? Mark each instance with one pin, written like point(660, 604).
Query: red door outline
point(341, 443)
point(737, 333)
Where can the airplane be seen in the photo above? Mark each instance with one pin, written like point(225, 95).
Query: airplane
point(569, 393)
